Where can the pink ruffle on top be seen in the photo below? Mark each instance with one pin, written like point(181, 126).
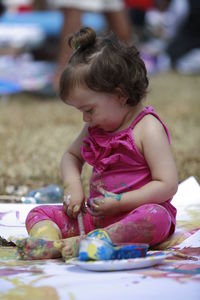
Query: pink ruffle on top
point(118, 166)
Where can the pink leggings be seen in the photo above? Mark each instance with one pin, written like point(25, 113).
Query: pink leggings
point(149, 223)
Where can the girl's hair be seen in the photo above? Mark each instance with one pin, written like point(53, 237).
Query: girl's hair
point(103, 64)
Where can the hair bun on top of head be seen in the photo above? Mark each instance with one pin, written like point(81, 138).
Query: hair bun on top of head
point(83, 38)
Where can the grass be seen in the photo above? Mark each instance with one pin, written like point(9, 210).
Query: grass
point(34, 132)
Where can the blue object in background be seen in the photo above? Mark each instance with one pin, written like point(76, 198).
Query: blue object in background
point(9, 87)
point(95, 20)
point(49, 194)
point(51, 21)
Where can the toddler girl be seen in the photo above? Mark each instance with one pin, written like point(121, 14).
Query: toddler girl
point(134, 174)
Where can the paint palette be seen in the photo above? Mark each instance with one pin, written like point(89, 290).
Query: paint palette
point(120, 264)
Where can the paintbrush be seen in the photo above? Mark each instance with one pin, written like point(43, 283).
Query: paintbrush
point(81, 224)
point(67, 199)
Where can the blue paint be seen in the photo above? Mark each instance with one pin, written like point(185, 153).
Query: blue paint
point(116, 196)
point(100, 234)
point(98, 246)
point(95, 249)
point(130, 251)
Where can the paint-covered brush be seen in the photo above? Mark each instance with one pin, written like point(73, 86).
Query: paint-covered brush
point(67, 199)
point(81, 224)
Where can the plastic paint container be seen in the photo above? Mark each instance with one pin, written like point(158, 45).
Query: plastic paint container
point(95, 249)
point(98, 246)
point(125, 251)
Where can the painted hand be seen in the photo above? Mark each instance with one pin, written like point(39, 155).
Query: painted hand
point(72, 208)
point(107, 205)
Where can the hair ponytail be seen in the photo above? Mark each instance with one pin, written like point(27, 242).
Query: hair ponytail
point(82, 39)
point(103, 64)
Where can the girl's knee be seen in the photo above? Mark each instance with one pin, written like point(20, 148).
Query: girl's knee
point(154, 212)
point(153, 221)
point(160, 219)
point(42, 213)
point(46, 230)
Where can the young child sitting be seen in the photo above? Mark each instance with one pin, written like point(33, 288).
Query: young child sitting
point(134, 174)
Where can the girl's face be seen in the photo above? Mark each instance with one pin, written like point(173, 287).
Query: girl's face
point(103, 110)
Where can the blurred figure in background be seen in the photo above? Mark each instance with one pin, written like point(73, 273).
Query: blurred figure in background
point(174, 27)
point(184, 49)
point(2, 7)
point(114, 12)
point(137, 12)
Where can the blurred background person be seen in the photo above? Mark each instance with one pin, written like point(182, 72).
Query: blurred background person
point(174, 36)
point(184, 49)
point(115, 14)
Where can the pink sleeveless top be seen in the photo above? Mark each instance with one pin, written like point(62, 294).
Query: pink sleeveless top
point(118, 166)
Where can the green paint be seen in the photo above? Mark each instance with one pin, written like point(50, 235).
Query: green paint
point(116, 196)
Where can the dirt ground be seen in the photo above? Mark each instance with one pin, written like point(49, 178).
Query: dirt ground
point(34, 131)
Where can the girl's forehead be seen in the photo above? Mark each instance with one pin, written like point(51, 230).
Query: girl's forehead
point(80, 89)
point(80, 96)
point(83, 96)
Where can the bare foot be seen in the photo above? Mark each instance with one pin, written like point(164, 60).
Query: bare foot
point(68, 247)
point(36, 248)
point(32, 248)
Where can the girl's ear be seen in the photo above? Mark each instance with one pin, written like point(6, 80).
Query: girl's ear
point(121, 96)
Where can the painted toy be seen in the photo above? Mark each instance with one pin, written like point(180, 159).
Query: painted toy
point(98, 246)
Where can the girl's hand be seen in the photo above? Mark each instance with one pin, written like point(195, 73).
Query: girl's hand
point(108, 205)
point(73, 202)
point(72, 208)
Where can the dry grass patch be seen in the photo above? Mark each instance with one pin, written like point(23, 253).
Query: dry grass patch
point(34, 132)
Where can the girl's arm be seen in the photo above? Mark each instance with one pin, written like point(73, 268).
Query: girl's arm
point(71, 167)
point(152, 142)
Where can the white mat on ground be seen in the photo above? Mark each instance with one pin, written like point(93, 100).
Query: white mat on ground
point(55, 280)
point(187, 198)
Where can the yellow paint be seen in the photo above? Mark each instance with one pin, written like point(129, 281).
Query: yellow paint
point(7, 253)
point(58, 244)
point(23, 291)
point(71, 296)
point(102, 234)
point(45, 229)
point(173, 240)
point(19, 263)
point(31, 293)
point(194, 216)
point(92, 250)
point(99, 234)
point(183, 229)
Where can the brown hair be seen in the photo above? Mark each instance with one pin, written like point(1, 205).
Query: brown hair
point(103, 64)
